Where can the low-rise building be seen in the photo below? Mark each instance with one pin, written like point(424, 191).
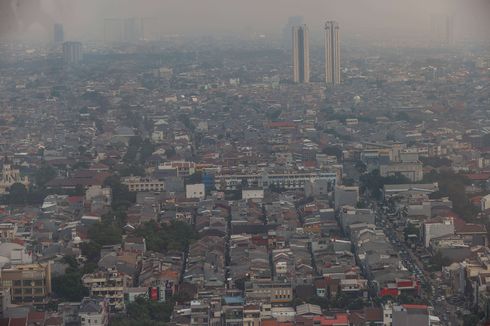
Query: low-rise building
point(195, 191)
point(29, 283)
point(350, 215)
point(437, 227)
point(109, 285)
point(346, 196)
point(412, 171)
point(93, 312)
point(141, 184)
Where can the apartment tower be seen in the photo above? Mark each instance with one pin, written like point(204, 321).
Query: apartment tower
point(332, 53)
point(301, 54)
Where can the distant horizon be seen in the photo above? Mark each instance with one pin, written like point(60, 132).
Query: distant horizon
point(369, 19)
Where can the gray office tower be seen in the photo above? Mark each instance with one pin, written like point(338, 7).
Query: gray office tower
point(332, 53)
point(301, 54)
point(72, 53)
point(58, 33)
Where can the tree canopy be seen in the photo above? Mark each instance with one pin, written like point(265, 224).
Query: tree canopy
point(374, 182)
point(69, 286)
point(144, 312)
point(175, 236)
point(105, 233)
point(453, 185)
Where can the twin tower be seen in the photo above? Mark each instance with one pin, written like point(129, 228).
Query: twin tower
point(301, 54)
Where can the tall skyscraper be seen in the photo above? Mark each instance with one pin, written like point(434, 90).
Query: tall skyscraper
point(332, 53)
point(72, 53)
point(113, 30)
point(286, 32)
point(441, 30)
point(130, 30)
point(449, 30)
point(58, 33)
point(301, 54)
point(150, 29)
point(122, 30)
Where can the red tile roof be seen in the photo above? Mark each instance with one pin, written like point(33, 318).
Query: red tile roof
point(414, 306)
point(338, 320)
point(18, 321)
point(478, 176)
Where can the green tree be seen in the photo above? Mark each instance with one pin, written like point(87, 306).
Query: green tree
point(348, 182)
point(486, 140)
point(438, 261)
point(186, 121)
point(319, 301)
point(361, 167)
point(145, 312)
point(122, 198)
point(273, 114)
point(91, 250)
point(341, 301)
point(453, 185)
point(69, 286)
point(105, 234)
point(333, 151)
point(17, 194)
point(175, 236)
point(373, 182)
point(436, 162)
point(44, 174)
point(471, 320)
point(356, 304)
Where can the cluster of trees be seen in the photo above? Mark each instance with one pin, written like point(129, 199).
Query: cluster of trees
point(437, 261)
point(273, 114)
point(122, 198)
point(186, 121)
point(69, 287)
point(333, 151)
point(139, 150)
point(162, 237)
point(486, 140)
point(436, 162)
point(35, 194)
point(131, 117)
point(105, 233)
point(143, 312)
point(472, 319)
point(453, 185)
point(373, 182)
point(340, 301)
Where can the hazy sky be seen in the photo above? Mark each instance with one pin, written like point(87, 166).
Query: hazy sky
point(83, 19)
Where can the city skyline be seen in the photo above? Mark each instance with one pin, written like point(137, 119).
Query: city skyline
point(372, 19)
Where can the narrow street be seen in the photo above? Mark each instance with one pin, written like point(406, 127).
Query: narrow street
point(445, 311)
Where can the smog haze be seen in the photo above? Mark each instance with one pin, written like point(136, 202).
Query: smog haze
point(376, 19)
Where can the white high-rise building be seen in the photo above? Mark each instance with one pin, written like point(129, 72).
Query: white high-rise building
point(301, 54)
point(332, 53)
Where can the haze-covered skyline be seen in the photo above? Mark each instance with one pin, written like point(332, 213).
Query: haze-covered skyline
point(375, 19)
